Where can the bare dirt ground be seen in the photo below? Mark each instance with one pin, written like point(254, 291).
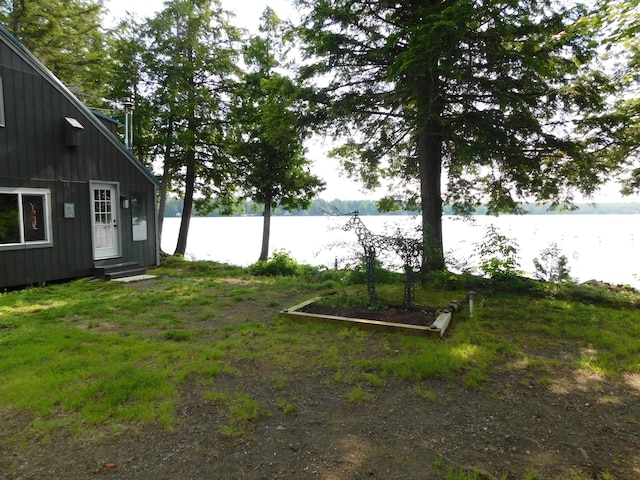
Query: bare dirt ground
point(576, 426)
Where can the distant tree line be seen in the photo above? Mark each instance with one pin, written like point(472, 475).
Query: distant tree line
point(317, 207)
point(321, 206)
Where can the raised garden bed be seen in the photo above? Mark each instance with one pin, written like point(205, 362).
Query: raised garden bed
point(421, 321)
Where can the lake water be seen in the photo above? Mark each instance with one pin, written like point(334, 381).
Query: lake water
point(601, 247)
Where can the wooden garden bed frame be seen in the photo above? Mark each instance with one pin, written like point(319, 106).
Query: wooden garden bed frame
point(436, 329)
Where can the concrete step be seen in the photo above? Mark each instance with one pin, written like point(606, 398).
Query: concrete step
point(125, 273)
point(118, 270)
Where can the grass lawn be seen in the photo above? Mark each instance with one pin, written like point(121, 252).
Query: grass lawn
point(91, 357)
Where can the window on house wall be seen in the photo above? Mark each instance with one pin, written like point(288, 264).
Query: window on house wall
point(1, 104)
point(25, 218)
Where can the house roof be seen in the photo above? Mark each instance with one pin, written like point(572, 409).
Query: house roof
point(106, 117)
point(31, 59)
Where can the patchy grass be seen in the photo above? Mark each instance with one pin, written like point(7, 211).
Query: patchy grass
point(86, 354)
point(103, 351)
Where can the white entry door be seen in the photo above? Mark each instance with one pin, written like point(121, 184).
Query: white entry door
point(104, 210)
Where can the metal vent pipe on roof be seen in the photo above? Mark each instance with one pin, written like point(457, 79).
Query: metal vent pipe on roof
point(128, 124)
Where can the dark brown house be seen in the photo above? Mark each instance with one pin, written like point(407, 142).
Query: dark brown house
point(72, 197)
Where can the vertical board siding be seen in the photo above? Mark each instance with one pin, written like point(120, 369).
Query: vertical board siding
point(34, 154)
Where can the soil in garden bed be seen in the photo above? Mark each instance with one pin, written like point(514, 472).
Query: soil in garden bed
point(392, 314)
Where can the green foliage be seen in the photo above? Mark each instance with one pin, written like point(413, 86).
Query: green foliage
point(593, 292)
point(498, 255)
point(176, 266)
point(437, 464)
point(67, 37)
point(320, 206)
point(512, 107)
point(622, 43)
point(345, 298)
point(597, 293)
point(127, 83)
point(188, 68)
point(358, 275)
point(281, 263)
point(552, 266)
point(268, 132)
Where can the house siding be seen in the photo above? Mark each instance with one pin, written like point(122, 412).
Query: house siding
point(34, 154)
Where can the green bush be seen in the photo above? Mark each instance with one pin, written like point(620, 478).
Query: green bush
point(552, 266)
point(280, 264)
point(498, 255)
point(358, 276)
point(448, 280)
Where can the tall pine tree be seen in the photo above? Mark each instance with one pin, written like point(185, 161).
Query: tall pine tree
point(192, 63)
point(129, 82)
point(66, 36)
point(269, 131)
point(486, 97)
point(622, 40)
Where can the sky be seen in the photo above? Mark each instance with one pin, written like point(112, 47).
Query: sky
point(247, 15)
point(247, 12)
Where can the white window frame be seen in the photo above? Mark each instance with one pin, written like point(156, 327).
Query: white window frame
point(46, 217)
point(1, 104)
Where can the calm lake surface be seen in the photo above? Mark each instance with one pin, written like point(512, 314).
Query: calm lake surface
point(601, 247)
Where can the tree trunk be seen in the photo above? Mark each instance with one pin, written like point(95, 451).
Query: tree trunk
point(190, 182)
point(430, 167)
point(190, 174)
point(266, 229)
point(163, 196)
point(16, 18)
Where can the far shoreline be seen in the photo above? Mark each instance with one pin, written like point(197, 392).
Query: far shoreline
point(320, 207)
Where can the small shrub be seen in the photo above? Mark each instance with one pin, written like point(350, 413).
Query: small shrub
point(552, 266)
point(344, 298)
point(457, 264)
point(329, 285)
point(447, 280)
point(498, 255)
point(281, 264)
point(358, 276)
